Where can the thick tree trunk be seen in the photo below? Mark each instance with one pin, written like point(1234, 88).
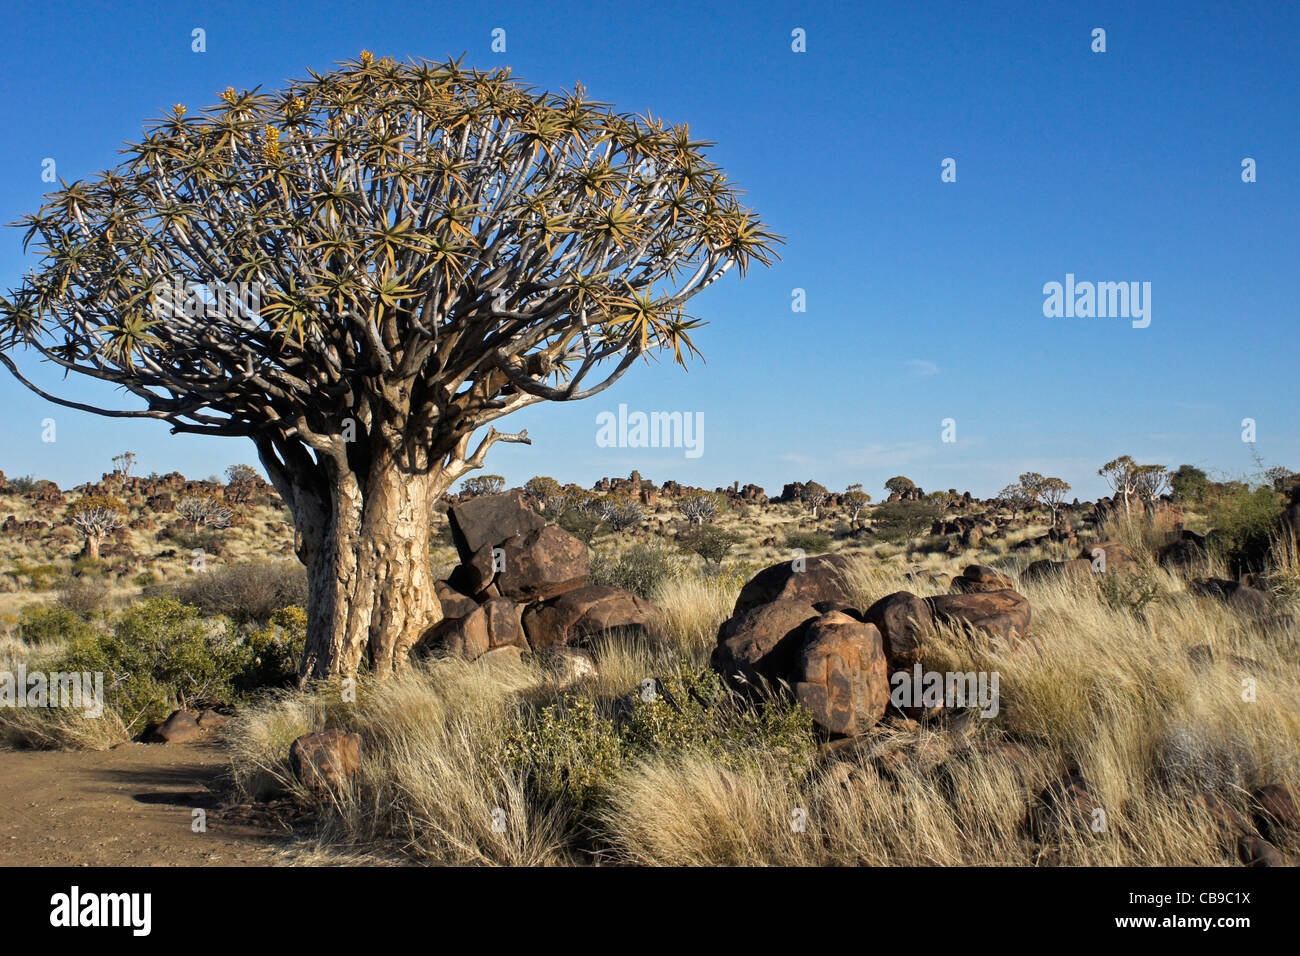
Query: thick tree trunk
point(370, 584)
point(91, 550)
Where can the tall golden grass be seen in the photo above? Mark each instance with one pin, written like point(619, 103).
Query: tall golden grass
point(1119, 693)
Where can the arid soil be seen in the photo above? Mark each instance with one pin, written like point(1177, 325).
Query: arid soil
point(129, 806)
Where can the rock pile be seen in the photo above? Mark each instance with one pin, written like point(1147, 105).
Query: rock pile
point(795, 624)
point(522, 583)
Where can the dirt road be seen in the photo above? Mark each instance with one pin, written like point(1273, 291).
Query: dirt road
point(131, 806)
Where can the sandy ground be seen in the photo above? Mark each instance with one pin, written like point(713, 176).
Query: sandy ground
point(130, 806)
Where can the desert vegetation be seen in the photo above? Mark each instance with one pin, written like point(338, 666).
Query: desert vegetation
point(1161, 692)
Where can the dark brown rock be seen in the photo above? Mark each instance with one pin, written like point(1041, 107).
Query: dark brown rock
point(490, 520)
point(903, 620)
point(1045, 569)
point(762, 644)
point(1003, 615)
point(180, 727)
point(543, 564)
point(1240, 597)
point(1277, 811)
point(977, 578)
point(842, 677)
point(1256, 851)
point(324, 762)
point(1108, 556)
point(584, 613)
point(1067, 805)
point(455, 605)
point(822, 579)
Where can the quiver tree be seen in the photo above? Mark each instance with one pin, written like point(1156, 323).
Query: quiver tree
point(1051, 493)
point(699, 507)
point(854, 500)
point(1121, 474)
point(96, 517)
point(204, 511)
point(362, 273)
point(483, 485)
point(813, 495)
point(1149, 483)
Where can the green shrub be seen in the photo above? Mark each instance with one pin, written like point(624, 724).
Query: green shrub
point(901, 520)
point(275, 650)
point(50, 625)
point(640, 569)
point(710, 542)
point(160, 655)
point(568, 753)
point(252, 591)
point(571, 752)
point(809, 542)
point(1131, 592)
point(692, 712)
point(1244, 522)
point(580, 524)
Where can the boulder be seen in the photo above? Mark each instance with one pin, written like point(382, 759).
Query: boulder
point(820, 580)
point(1046, 569)
point(978, 578)
point(490, 520)
point(324, 762)
point(543, 564)
point(455, 605)
point(180, 727)
point(1109, 555)
point(1277, 811)
point(1240, 597)
point(842, 677)
point(494, 623)
point(762, 643)
point(1189, 551)
point(583, 613)
point(212, 720)
point(1069, 804)
point(903, 619)
point(1256, 851)
point(1003, 615)
point(568, 665)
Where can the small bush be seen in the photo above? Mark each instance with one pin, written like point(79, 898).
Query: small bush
point(1129, 592)
point(51, 625)
point(84, 596)
point(246, 592)
point(710, 542)
point(580, 524)
point(160, 655)
point(896, 521)
point(809, 542)
point(275, 650)
point(572, 752)
point(1244, 523)
point(40, 577)
point(641, 569)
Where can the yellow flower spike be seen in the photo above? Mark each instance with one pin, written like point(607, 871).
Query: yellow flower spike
point(229, 95)
point(180, 110)
point(271, 145)
point(367, 58)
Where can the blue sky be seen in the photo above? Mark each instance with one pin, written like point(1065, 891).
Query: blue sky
point(924, 298)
